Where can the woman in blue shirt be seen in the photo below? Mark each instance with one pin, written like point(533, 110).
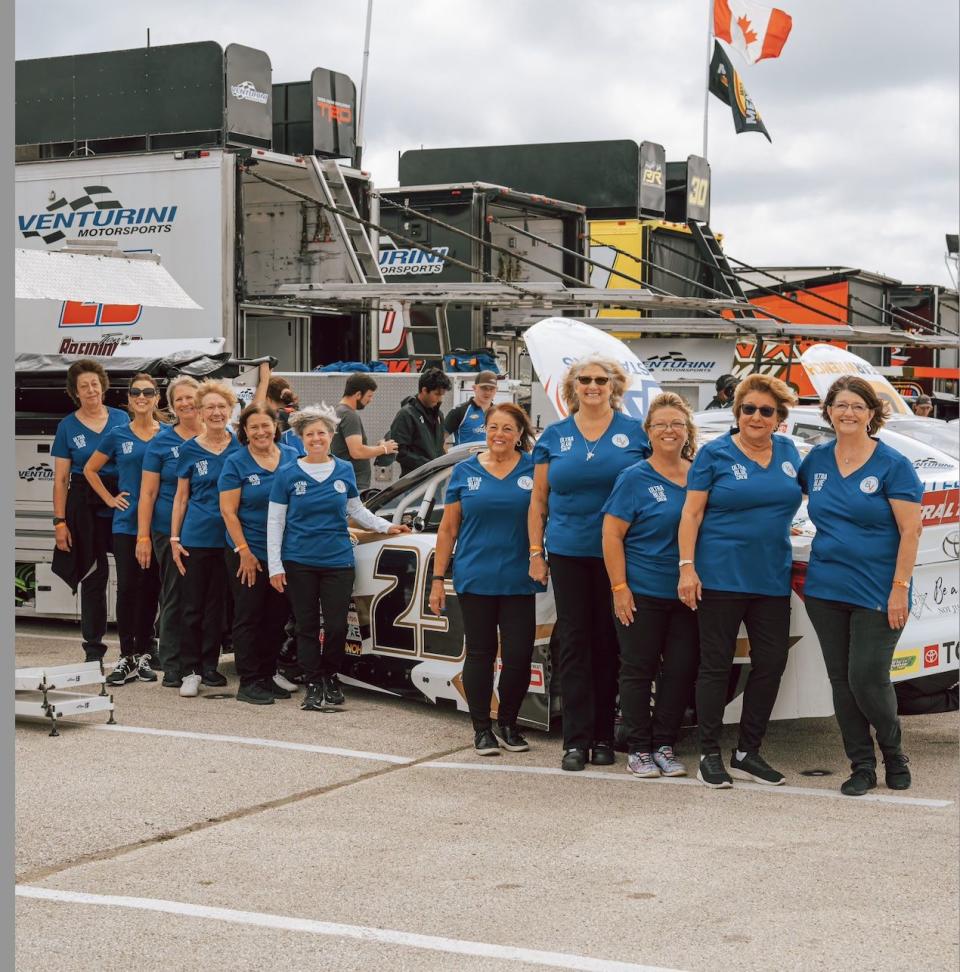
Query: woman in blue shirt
point(82, 524)
point(309, 553)
point(158, 486)
point(658, 634)
point(485, 514)
point(137, 589)
point(864, 499)
point(259, 611)
point(577, 462)
point(197, 539)
point(742, 494)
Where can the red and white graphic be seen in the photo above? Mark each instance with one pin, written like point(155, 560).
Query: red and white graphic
point(754, 31)
point(940, 506)
point(75, 313)
point(931, 656)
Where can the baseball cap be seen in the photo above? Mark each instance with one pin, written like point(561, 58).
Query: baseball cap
point(486, 378)
point(726, 381)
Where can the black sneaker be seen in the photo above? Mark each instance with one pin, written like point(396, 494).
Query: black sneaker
point(313, 700)
point(271, 687)
point(126, 671)
point(898, 776)
point(754, 767)
point(255, 694)
point(145, 670)
point(171, 680)
point(512, 740)
point(154, 661)
point(332, 693)
point(574, 759)
point(861, 780)
point(602, 754)
point(485, 743)
point(712, 772)
point(213, 678)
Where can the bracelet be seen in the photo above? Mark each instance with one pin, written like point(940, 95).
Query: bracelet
point(243, 546)
point(619, 587)
point(684, 563)
point(438, 577)
point(143, 539)
point(172, 539)
point(536, 550)
point(536, 553)
point(905, 583)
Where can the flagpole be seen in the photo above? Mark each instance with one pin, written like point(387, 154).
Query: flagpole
point(361, 107)
point(706, 88)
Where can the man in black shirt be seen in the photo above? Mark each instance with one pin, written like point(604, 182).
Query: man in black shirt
point(418, 427)
point(350, 441)
point(726, 385)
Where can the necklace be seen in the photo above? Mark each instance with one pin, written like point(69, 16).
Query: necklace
point(592, 446)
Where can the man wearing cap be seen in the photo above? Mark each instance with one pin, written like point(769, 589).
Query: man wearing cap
point(923, 406)
point(466, 422)
point(726, 385)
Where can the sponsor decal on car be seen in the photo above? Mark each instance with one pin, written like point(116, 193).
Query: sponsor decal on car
point(905, 663)
point(940, 506)
point(931, 656)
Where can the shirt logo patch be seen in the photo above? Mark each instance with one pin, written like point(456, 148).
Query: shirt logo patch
point(339, 485)
point(739, 471)
point(80, 441)
point(869, 485)
point(201, 467)
point(473, 483)
point(818, 480)
point(525, 482)
point(787, 467)
point(176, 451)
point(566, 443)
point(300, 487)
point(658, 493)
point(126, 448)
point(620, 440)
point(254, 479)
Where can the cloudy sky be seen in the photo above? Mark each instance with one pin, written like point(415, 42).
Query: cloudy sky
point(862, 105)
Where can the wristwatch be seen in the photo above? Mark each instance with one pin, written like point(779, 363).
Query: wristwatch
point(57, 520)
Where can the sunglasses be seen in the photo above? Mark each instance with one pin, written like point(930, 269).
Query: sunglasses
point(590, 380)
point(145, 392)
point(765, 410)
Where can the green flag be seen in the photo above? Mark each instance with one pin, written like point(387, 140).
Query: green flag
point(726, 84)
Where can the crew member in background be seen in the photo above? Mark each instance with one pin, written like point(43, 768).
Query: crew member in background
point(923, 406)
point(726, 387)
point(465, 422)
point(577, 462)
point(158, 486)
point(864, 499)
point(417, 428)
point(137, 589)
point(350, 441)
point(282, 399)
point(309, 552)
point(82, 524)
point(485, 514)
point(742, 494)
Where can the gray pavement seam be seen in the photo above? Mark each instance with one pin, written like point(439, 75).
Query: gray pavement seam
point(111, 853)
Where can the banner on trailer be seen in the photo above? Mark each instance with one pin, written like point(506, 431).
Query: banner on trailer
point(685, 359)
point(653, 180)
point(825, 363)
point(556, 342)
point(334, 114)
point(249, 105)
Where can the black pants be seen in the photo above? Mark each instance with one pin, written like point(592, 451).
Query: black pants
point(857, 646)
point(515, 617)
point(203, 589)
point(259, 613)
point(138, 591)
point(662, 644)
point(93, 592)
point(312, 590)
point(588, 659)
point(768, 628)
point(171, 595)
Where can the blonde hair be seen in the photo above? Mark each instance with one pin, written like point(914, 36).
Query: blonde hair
point(672, 400)
point(299, 421)
point(212, 387)
point(779, 391)
point(173, 385)
point(616, 374)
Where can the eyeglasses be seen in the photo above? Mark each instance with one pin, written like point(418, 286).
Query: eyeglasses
point(591, 380)
point(677, 426)
point(145, 392)
point(765, 410)
point(854, 407)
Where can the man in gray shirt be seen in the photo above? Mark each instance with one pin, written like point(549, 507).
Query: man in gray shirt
point(350, 441)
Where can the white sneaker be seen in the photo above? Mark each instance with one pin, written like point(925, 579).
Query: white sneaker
point(285, 683)
point(191, 686)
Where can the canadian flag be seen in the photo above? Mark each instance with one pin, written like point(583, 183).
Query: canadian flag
point(753, 30)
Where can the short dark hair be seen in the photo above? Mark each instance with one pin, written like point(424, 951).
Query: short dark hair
point(862, 389)
point(433, 379)
point(359, 383)
point(85, 366)
point(256, 408)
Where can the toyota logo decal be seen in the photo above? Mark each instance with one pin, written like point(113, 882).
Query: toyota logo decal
point(951, 544)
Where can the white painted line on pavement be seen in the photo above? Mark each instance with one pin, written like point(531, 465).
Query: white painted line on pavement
point(454, 946)
point(627, 778)
point(20, 633)
point(252, 741)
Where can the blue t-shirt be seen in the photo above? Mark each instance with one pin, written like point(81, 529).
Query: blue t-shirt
point(76, 442)
point(291, 439)
point(241, 471)
point(126, 450)
point(163, 456)
point(472, 427)
point(744, 540)
point(492, 554)
point(579, 486)
point(315, 533)
point(203, 525)
point(854, 552)
point(652, 505)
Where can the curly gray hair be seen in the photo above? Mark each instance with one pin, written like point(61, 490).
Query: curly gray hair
point(299, 421)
